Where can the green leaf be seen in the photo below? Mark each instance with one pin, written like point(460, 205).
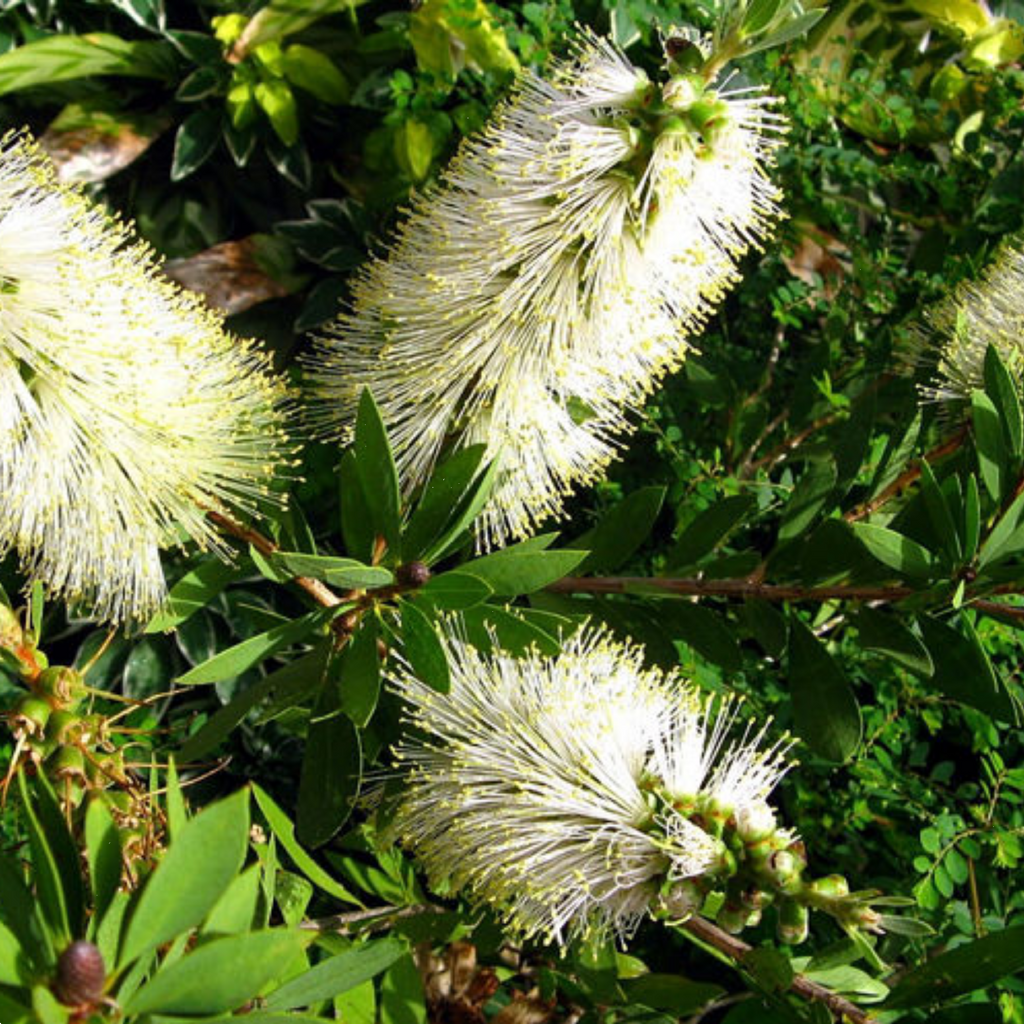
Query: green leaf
point(301, 675)
point(46, 1009)
point(759, 16)
point(896, 551)
point(359, 666)
point(972, 517)
point(356, 527)
point(12, 1012)
point(1007, 536)
point(897, 454)
point(199, 865)
point(50, 843)
point(423, 649)
point(622, 530)
point(886, 634)
point(767, 625)
point(940, 513)
point(456, 591)
point(704, 631)
point(195, 590)
point(1002, 391)
point(315, 72)
point(401, 994)
point(338, 974)
point(517, 571)
point(174, 802)
point(669, 992)
point(236, 909)
point(103, 853)
point(988, 442)
point(808, 498)
point(19, 910)
point(195, 142)
point(447, 488)
point(220, 975)
point(465, 513)
point(968, 968)
point(337, 572)
point(511, 631)
point(708, 530)
point(282, 828)
point(149, 668)
point(769, 967)
point(276, 99)
point(333, 762)
point(236, 660)
point(11, 970)
point(963, 670)
point(61, 58)
point(825, 710)
point(281, 18)
point(378, 475)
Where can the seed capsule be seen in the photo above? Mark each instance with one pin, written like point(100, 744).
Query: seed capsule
point(794, 922)
point(81, 975)
point(412, 574)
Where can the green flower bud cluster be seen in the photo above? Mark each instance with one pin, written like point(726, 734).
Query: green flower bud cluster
point(761, 865)
point(55, 731)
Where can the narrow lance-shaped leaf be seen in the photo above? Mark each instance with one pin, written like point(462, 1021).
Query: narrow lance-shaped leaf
point(332, 764)
point(825, 710)
point(283, 829)
point(622, 530)
point(198, 866)
point(377, 472)
point(235, 660)
point(221, 975)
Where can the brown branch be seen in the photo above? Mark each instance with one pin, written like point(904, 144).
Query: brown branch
point(907, 477)
point(317, 590)
point(738, 588)
point(737, 949)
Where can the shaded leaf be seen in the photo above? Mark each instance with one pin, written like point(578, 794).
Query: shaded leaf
point(423, 648)
point(825, 710)
point(622, 530)
point(969, 967)
point(708, 530)
point(887, 635)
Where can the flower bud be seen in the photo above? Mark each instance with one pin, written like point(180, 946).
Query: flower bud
point(30, 716)
point(831, 887)
point(794, 922)
point(783, 869)
point(62, 727)
point(682, 92)
point(81, 975)
point(66, 764)
point(683, 900)
point(755, 821)
point(62, 686)
point(732, 919)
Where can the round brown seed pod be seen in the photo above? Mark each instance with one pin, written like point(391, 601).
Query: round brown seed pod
point(412, 574)
point(81, 975)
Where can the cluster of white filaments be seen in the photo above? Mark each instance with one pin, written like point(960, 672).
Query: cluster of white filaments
point(534, 298)
point(560, 790)
point(989, 311)
point(126, 412)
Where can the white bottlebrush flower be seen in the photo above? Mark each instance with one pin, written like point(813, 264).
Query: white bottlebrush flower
point(535, 296)
point(573, 792)
point(125, 410)
point(988, 311)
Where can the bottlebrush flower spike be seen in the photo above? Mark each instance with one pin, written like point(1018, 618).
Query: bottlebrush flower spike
point(579, 791)
point(534, 297)
point(125, 410)
point(988, 311)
